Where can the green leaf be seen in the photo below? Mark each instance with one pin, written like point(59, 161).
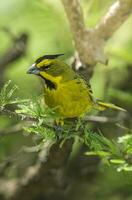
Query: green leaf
point(36, 109)
point(98, 153)
point(128, 168)
point(117, 161)
point(45, 133)
point(6, 95)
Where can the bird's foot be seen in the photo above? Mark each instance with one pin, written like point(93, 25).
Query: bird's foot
point(58, 127)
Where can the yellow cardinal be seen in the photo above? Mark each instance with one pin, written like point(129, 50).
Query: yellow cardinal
point(64, 89)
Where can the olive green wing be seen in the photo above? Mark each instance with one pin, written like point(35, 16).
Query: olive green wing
point(87, 86)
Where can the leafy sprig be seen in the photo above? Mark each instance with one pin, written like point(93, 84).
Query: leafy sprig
point(7, 95)
point(117, 153)
point(40, 121)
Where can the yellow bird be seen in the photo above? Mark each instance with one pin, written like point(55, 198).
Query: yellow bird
point(64, 89)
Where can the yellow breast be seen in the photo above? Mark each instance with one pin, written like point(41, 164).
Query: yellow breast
point(71, 99)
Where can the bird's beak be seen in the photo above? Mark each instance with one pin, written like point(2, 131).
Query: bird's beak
point(33, 70)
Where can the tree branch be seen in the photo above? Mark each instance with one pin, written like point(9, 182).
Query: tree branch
point(75, 15)
point(16, 51)
point(81, 35)
point(90, 43)
point(11, 130)
point(115, 17)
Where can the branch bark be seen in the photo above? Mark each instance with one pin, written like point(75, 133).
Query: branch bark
point(90, 43)
point(117, 14)
point(16, 51)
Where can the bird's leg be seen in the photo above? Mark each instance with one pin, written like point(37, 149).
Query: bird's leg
point(58, 127)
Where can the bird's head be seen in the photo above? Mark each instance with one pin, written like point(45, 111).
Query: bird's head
point(47, 64)
point(50, 69)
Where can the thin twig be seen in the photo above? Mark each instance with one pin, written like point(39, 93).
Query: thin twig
point(11, 130)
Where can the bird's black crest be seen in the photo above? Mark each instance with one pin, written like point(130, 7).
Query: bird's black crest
point(48, 57)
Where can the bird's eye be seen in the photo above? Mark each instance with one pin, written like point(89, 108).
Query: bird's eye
point(45, 68)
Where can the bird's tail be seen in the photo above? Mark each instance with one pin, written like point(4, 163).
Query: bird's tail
point(102, 106)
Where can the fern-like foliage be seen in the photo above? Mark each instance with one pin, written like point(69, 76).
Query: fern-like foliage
point(40, 121)
point(117, 153)
point(7, 95)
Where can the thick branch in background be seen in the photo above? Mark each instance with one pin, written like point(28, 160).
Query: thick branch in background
point(90, 43)
point(115, 17)
point(16, 51)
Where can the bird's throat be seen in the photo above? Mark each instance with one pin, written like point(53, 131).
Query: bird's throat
point(51, 81)
point(49, 84)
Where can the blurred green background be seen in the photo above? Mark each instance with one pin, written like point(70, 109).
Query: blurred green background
point(45, 23)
